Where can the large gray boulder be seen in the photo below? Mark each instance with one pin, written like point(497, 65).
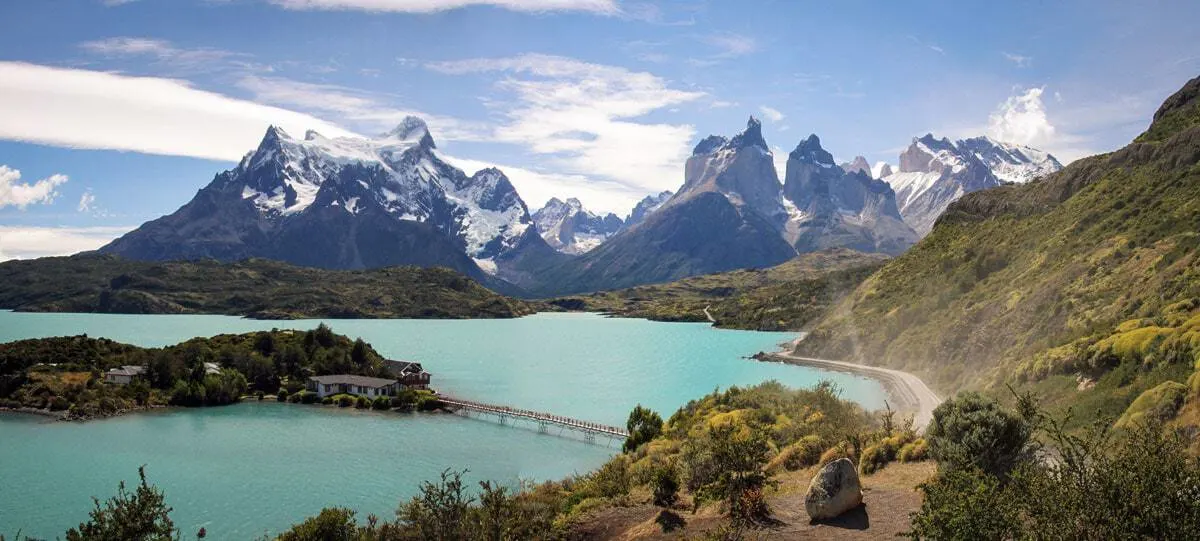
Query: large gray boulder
point(833, 490)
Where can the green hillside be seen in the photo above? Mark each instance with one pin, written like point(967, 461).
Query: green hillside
point(1083, 282)
point(784, 297)
point(256, 288)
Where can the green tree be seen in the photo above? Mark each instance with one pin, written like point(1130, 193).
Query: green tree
point(142, 515)
point(323, 335)
point(643, 425)
point(359, 355)
point(440, 511)
point(973, 431)
point(332, 524)
point(496, 514)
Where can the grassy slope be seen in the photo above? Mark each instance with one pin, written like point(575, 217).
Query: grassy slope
point(1011, 273)
point(255, 288)
point(784, 297)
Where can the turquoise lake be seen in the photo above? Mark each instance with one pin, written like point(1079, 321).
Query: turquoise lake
point(253, 468)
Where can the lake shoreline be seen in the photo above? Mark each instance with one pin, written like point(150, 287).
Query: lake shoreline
point(908, 392)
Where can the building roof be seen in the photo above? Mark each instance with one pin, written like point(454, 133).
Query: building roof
point(361, 381)
point(402, 367)
point(127, 370)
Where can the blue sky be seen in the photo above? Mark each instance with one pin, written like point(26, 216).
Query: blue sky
point(113, 112)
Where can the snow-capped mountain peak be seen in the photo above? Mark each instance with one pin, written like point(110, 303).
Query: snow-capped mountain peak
point(935, 172)
point(569, 228)
point(411, 130)
point(398, 174)
point(1011, 162)
point(646, 206)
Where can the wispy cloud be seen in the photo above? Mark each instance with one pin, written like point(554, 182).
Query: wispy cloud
point(931, 46)
point(166, 54)
point(604, 7)
point(88, 205)
point(368, 112)
point(585, 118)
point(1020, 60)
point(771, 113)
point(20, 242)
point(92, 109)
point(731, 45)
point(19, 194)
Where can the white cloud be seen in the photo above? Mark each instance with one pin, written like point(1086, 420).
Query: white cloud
point(369, 112)
point(21, 195)
point(771, 113)
point(538, 187)
point(583, 118)
point(1022, 119)
point(88, 204)
point(93, 109)
point(1019, 60)
point(21, 242)
point(780, 158)
point(606, 7)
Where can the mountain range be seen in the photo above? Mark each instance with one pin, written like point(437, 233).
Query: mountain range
point(393, 199)
point(349, 203)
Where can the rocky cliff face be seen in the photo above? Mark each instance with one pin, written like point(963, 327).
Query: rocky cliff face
point(569, 228)
point(740, 168)
point(859, 165)
point(829, 207)
point(345, 203)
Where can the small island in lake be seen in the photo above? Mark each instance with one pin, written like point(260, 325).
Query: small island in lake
point(79, 378)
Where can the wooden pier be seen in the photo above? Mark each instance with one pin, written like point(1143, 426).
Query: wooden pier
point(544, 421)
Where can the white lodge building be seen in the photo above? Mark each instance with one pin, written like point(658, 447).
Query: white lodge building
point(355, 385)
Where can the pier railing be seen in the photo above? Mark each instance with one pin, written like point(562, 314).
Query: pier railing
point(545, 421)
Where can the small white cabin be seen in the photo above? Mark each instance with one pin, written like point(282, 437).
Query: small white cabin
point(123, 375)
point(355, 385)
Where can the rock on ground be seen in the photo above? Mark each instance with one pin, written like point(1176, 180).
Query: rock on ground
point(834, 490)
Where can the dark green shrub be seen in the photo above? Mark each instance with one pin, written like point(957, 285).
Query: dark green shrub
point(381, 403)
point(282, 396)
point(59, 403)
point(308, 397)
point(295, 398)
point(405, 399)
point(362, 403)
point(971, 431)
point(345, 400)
point(665, 484)
point(333, 524)
point(327, 400)
point(259, 395)
point(427, 401)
